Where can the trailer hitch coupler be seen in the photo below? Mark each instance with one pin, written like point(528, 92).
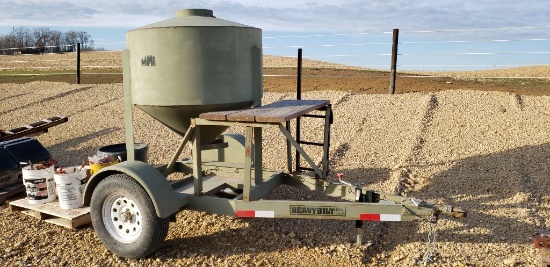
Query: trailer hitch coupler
point(458, 212)
point(358, 194)
point(449, 210)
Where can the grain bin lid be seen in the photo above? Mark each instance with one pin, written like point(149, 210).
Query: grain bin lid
point(193, 18)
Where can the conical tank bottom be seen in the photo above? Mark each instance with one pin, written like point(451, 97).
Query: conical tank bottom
point(178, 118)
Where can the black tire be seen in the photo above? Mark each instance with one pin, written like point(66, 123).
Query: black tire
point(124, 218)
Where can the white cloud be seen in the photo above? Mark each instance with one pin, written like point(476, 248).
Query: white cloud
point(284, 15)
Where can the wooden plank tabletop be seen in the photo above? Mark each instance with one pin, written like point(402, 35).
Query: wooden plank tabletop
point(280, 111)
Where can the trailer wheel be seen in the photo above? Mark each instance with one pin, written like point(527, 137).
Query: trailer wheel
point(124, 218)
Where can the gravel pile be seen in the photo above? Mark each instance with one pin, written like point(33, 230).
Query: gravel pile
point(540, 71)
point(113, 60)
point(60, 62)
point(487, 152)
point(291, 62)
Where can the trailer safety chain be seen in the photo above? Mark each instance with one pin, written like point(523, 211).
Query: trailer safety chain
point(431, 245)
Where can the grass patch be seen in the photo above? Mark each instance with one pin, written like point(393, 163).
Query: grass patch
point(517, 81)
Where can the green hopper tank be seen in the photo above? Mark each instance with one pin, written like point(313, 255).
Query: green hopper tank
point(194, 63)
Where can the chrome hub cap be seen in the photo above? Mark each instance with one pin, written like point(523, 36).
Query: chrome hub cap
point(122, 218)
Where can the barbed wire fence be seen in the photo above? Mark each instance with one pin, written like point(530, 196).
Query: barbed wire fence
point(415, 51)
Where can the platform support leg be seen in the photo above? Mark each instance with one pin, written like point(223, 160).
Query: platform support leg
point(128, 113)
point(258, 174)
point(186, 138)
point(197, 161)
point(288, 150)
point(249, 131)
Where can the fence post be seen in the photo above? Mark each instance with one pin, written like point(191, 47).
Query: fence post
point(299, 76)
point(298, 97)
point(77, 63)
point(394, 60)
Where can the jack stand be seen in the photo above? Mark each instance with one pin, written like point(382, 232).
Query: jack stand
point(359, 227)
point(543, 243)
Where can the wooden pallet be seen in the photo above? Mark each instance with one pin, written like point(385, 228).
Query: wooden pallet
point(10, 191)
point(52, 213)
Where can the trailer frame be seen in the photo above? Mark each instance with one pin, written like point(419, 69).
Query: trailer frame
point(200, 189)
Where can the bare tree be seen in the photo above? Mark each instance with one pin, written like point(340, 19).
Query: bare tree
point(4, 41)
point(85, 40)
point(41, 36)
point(23, 37)
point(40, 40)
point(55, 41)
point(70, 38)
point(9, 44)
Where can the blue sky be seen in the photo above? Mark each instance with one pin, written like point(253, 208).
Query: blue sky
point(451, 34)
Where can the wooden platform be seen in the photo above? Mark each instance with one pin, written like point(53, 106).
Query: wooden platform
point(10, 191)
point(278, 112)
point(52, 213)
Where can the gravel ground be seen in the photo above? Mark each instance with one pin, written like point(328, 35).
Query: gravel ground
point(486, 152)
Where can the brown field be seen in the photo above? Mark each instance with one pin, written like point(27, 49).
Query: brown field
point(480, 144)
point(280, 75)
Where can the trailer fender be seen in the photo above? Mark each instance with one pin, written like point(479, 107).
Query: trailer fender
point(162, 195)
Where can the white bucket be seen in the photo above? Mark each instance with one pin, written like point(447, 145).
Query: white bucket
point(39, 184)
point(70, 186)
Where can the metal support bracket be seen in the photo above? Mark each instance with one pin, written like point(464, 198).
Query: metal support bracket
point(197, 167)
point(247, 163)
point(186, 139)
point(301, 151)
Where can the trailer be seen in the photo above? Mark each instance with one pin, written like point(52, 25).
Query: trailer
point(132, 203)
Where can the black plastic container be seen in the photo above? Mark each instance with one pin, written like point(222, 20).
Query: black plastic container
point(25, 149)
point(140, 151)
point(10, 173)
point(6, 161)
point(16, 153)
